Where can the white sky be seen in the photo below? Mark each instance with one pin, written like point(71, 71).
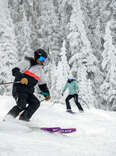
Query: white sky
point(95, 136)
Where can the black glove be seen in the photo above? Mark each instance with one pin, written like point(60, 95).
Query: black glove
point(15, 71)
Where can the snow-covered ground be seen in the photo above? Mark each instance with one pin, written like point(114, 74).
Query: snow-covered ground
point(95, 136)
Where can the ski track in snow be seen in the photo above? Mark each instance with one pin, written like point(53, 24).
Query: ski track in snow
point(95, 136)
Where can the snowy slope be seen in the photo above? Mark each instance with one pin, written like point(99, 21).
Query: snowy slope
point(95, 136)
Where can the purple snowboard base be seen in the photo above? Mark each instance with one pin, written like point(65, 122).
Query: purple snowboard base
point(67, 130)
point(51, 129)
point(58, 129)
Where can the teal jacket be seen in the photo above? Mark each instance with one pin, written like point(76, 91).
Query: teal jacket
point(72, 86)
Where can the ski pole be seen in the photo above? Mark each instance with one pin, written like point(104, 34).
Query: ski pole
point(9, 83)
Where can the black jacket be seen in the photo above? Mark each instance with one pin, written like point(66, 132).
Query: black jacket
point(21, 88)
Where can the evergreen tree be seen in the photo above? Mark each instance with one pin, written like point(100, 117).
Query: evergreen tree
point(62, 71)
point(8, 51)
point(82, 60)
point(109, 66)
point(22, 29)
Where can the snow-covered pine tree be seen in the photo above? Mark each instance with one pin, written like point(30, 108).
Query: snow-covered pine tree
point(53, 76)
point(47, 33)
point(62, 72)
point(82, 60)
point(97, 13)
point(22, 28)
point(108, 88)
point(8, 51)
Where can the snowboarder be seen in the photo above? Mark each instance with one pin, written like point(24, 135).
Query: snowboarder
point(71, 84)
point(27, 75)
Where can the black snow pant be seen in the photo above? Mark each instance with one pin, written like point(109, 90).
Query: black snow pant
point(27, 104)
point(75, 96)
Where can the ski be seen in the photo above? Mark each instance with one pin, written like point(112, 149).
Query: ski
point(67, 130)
point(47, 129)
point(51, 129)
point(54, 129)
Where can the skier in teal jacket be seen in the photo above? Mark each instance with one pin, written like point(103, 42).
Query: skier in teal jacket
point(73, 93)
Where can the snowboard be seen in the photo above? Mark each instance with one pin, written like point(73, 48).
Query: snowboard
point(53, 129)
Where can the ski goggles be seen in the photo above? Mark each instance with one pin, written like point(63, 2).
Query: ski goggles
point(70, 79)
point(41, 58)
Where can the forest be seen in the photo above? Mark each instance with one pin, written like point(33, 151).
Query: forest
point(79, 37)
